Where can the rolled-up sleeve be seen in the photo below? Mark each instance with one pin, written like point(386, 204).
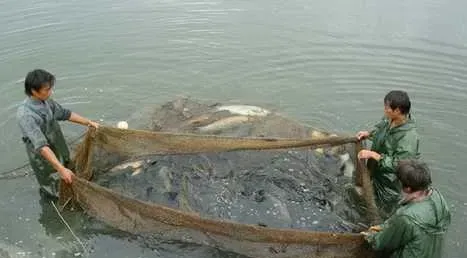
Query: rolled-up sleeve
point(60, 113)
point(32, 131)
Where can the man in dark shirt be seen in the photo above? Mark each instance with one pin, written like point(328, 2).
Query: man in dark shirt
point(38, 118)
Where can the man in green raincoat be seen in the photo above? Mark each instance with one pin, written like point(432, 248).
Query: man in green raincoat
point(38, 118)
point(393, 139)
point(418, 227)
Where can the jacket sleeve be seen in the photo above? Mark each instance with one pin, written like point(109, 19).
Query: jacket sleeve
point(376, 128)
point(372, 134)
point(397, 232)
point(406, 147)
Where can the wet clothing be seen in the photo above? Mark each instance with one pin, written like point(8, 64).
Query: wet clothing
point(393, 144)
point(416, 229)
point(38, 121)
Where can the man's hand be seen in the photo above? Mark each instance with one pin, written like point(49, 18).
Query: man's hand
point(365, 233)
point(366, 154)
point(371, 230)
point(376, 228)
point(75, 118)
point(363, 135)
point(93, 124)
point(66, 175)
point(49, 155)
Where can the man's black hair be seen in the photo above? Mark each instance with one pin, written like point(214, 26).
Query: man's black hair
point(398, 99)
point(36, 79)
point(413, 173)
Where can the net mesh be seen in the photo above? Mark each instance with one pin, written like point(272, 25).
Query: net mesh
point(255, 188)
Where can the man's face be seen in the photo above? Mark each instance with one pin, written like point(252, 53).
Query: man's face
point(391, 113)
point(43, 93)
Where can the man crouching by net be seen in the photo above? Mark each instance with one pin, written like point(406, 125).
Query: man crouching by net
point(418, 226)
point(38, 118)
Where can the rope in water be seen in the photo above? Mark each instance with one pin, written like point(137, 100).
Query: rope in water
point(11, 174)
point(69, 228)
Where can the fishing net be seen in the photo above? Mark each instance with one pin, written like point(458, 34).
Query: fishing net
point(237, 178)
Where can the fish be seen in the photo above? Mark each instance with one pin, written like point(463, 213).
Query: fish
point(138, 166)
point(206, 119)
point(137, 171)
point(282, 210)
point(167, 178)
point(224, 124)
point(245, 110)
point(319, 135)
point(132, 164)
point(346, 165)
point(199, 119)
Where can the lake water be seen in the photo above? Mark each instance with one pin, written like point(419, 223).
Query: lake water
point(325, 63)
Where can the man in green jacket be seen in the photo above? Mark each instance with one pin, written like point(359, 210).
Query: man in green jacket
point(38, 118)
point(394, 138)
point(418, 227)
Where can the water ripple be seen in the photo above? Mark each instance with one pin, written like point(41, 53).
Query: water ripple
point(329, 72)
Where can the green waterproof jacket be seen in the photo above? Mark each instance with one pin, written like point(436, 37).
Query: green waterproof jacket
point(393, 144)
point(415, 230)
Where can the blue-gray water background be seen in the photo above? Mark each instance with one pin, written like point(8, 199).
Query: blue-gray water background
point(325, 63)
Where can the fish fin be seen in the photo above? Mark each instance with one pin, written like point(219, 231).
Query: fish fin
point(137, 171)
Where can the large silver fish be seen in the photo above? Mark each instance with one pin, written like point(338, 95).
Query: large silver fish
point(245, 110)
point(223, 124)
point(138, 166)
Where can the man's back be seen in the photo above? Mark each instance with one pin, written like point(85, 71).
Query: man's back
point(417, 229)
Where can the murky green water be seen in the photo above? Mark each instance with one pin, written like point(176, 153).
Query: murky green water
point(326, 63)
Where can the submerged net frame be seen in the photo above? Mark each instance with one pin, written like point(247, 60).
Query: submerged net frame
point(136, 216)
